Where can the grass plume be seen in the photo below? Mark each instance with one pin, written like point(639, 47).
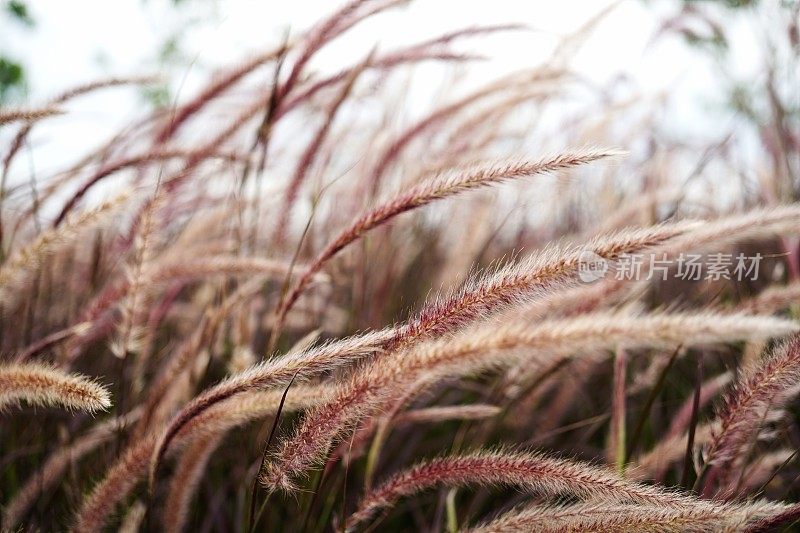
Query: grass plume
point(39, 384)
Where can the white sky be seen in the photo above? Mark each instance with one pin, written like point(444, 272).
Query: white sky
point(74, 42)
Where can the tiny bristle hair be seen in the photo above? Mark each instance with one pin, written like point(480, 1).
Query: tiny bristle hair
point(703, 517)
point(762, 388)
point(526, 280)
point(250, 406)
point(39, 384)
point(531, 471)
point(27, 115)
point(132, 467)
point(444, 186)
point(272, 373)
point(479, 349)
point(490, 292)
point(119, 480)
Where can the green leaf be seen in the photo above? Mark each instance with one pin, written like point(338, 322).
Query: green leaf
point(11, 77)
point(19, 10)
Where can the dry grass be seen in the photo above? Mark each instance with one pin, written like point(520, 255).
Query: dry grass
point(379, 320)
point(39, 384)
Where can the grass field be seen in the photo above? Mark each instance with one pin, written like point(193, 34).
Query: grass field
point(287, 306)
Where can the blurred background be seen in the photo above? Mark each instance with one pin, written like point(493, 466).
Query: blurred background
point(696, 72)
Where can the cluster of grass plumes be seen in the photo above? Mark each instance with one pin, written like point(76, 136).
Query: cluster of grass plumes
point(369, 323)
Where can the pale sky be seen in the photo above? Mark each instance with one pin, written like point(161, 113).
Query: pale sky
point(74, 42)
